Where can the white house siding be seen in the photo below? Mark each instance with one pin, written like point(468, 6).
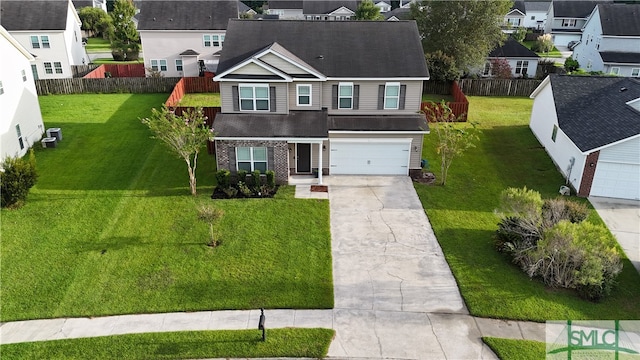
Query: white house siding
point(226, 97)
point(73, 39)
point(56, 53)
point(316, 100)
point(537, 16)
point(415, 153)
point(531, 68)
point(287, 14)
point(368, 97)
point(19, 102)
point(167, 45)
point(543, 119)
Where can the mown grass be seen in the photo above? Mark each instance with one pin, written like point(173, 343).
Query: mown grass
point(437, 98)
point(200, 99)
point(308, 343)
point(96, 45)
point(554, 53)
point(111, 228)
point(462, 216)
point(510, 349)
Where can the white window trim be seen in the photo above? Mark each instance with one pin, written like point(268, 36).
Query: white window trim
point(298, 86)
point(181, 65)
point(390, 97)
point(1, 88)
point(57, 69)
point(24, 75)
point(213, 39)
point(616, 72)
point(158, 66)
point(252, 161)
point(204, 41)
point(19, 134)
point(340, 85)
point(254, 99)
point(522, 65)
point(50, 67)
point(637, 70)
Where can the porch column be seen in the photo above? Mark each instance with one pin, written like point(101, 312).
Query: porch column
point(320, 163)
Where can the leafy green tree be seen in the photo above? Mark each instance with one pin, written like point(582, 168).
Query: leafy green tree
point(466, 30)
point(367, 10)
point(123, 35)
point(211, 216)
point(520, 34)
point(441, 66)
point(571, 65)
point(17, 177)
point(95, 21)
point(454, 137)
point(185, 135)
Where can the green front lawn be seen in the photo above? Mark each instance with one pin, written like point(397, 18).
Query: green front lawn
point(111, 228)
point(462, 216)
point(95, 45)
point(436, 98)
point(200, 99)
point(308, 343)
point(554, 53)
point(510, 349)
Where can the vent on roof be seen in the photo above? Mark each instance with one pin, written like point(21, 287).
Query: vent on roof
point(154, 19)
point(320, 57)
point(623, 89)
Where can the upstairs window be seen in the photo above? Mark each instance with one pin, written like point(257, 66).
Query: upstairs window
point(254, 97)
point(345, 96)
point(24, 75)
point(40, 42)
point(304, 95)
point(614, 71)
point(159, 65)
point(635, 72)
point(213, 40)
point(35, 42)
point(251, 159)
point(391, 96)
point(568, 22)
point(514, 21)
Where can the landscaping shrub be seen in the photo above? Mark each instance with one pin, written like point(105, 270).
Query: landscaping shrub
point(223, 178)
point(544, 43)
point(242, 175)
point(271, 178)
point(255, 178)
point(550, 240)
point(571, 65)
point(244, 189)
point(17, 177)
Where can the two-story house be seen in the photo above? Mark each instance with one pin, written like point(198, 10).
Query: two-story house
point(536, 14)
point(515, 17)
point(611, 40)
point(330, 9)
point(184, 38)
point(285, 9)
point(566, 18)
point(294, 100)
point(48, 29)
point(20, 119)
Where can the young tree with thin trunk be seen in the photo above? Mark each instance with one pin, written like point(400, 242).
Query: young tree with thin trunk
point(185, 135)
point(454, 137)
point(367, 10)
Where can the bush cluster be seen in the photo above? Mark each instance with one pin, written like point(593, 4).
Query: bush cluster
point(17, 177)
point(240, 185)
point(550, 240)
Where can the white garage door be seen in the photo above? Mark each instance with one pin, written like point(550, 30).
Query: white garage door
point(616, 180)
point(370, 157)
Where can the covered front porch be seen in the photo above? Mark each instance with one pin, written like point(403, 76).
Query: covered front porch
point(306, 159)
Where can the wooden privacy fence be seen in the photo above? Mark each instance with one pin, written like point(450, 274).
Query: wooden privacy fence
point(117, 70)
point(105, 86)
point(189, 85)
point(82, 70)
point(459, 106)
point(498, 87)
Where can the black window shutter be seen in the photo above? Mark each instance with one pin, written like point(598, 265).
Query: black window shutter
point(403, 93)
point(380, 97)
point(270, 158)
point(272, 98)
point(236, 99)
point(356, 97)
point(232, 158)
point(334, 96)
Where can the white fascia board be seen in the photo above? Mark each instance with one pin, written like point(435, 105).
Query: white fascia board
point(610, 145)
point(291, 140)
point(372, 140)
point(255, 61)
point(341, 8)
point(515, 12)
point(16, 44)
point(377, 79)
point(310, 71)
point(544, 83)
point(379, 132)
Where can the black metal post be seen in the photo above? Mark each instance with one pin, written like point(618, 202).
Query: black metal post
point(261, 325)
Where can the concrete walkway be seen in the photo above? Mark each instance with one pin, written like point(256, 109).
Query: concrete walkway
point(395, 296)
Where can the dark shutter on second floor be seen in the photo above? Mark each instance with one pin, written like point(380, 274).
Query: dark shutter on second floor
point(334, 96)
point(403, 93)
point(380, 97)
point(236, 98)
point(356, 97)
point(272, 98)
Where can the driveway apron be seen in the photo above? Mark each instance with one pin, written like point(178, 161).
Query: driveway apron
point(395, 296)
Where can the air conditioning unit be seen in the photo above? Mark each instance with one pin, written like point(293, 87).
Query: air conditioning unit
point(564, 190)
point(54, 133)
point(49, 142)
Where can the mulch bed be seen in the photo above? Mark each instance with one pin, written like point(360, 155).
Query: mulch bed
point(319, 188)
point(426, 178)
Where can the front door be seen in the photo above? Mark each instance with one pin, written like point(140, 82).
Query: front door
point(303, 158)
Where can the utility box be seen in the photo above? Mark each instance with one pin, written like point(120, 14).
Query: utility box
point(49, 142)
point(55, 132)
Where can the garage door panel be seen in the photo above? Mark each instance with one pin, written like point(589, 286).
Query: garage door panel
point(616, 180)
point(369, 158)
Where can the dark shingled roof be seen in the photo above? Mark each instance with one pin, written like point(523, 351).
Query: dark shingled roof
point(285, 4)
point(574, 8)
point(413, 122)
point(186, 14)
point(519, 5)
point(308, 124)
point(537, 5)
point(399, 13)
point(620, 19)
point(189, 52)
point(512, 49)
point(33, 15)
point(348, 49)
point(82, 3)
point(327, 6)
point(592, 110)
point(620, 57)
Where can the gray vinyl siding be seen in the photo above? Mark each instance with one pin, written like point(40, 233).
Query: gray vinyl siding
point(282, 65)
point(226, 97)
point(252, 69)
point(368, 97)
point(316, 101)
point(414, 156)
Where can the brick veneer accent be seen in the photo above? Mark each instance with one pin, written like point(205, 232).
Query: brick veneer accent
point(588, 173)
point(280, 163)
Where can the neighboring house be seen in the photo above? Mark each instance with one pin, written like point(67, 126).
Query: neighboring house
point(590, 126)
point(611, 40)
point(330, 9)
point(523, 62)
point(398, 14)
point(536, 14)
point(244, 9)
point(20, 119)
point(566, 19)
point(184, 38)
point(515, 17)
point(385, 6)
point(296, 101)
point(48, 29)
point(285, 9)
point(100, 4)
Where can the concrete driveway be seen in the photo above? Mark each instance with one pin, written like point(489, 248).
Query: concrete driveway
point(623, 220)
point(395, 296)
